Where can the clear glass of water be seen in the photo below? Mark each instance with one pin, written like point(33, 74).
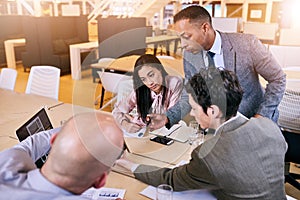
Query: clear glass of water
point(201, 137)
point(195, 132)
point(164, 192)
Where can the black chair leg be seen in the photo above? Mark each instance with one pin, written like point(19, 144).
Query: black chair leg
point(102, 96)
point(291, 180)
point(295, 176)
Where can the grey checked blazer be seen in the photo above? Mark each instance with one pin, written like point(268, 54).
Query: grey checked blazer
point(248, 58)
point(245, 160)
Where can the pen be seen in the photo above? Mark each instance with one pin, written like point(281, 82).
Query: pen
point(55, 105)
point(126, 147)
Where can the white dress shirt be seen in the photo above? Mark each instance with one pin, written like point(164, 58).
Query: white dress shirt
point(217, 49)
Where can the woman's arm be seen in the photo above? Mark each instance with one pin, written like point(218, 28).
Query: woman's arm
point(175, 86)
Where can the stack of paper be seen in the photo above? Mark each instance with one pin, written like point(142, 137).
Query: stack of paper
point(104, 193)
point(150, 192)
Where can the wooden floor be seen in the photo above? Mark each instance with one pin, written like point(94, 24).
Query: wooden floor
point(83, 92)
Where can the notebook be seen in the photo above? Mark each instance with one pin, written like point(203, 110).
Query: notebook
point(39, 122)
point(179, 132)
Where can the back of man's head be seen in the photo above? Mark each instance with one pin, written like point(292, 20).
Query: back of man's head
point(194, 14)
point(83, 151)
point(218, 87)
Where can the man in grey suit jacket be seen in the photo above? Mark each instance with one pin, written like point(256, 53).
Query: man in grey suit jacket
point(241, 53)
point(244, 159)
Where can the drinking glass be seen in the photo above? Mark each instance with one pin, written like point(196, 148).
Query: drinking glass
point(194, 134)
point(201, 137)
point(164, 192)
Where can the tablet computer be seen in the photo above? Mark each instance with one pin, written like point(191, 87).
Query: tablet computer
point(37, 123)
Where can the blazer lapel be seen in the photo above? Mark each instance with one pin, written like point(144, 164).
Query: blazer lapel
point(229, 54)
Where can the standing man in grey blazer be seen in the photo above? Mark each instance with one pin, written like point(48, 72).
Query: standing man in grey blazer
point(241, 53)
point(243, 160)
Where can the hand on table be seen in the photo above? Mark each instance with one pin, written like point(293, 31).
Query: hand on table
point(123, 162)
point(157, 121)
point(130, 126)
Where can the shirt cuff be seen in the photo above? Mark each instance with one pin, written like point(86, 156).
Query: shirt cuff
point(133, 167)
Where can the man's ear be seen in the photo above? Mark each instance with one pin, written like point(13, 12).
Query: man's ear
point(214, 111)
point(100, 182)
point(52, 139)
point(205, 26)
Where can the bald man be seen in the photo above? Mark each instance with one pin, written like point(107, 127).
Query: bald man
point(82, 153)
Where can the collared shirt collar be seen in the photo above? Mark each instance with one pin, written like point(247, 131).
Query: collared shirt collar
point(40, 183)
point(217, 46)
point(230, 120)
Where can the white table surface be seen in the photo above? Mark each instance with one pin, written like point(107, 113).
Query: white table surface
point(9, 46)
point(75, 50)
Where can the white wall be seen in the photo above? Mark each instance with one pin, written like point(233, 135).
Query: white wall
point(227, 24)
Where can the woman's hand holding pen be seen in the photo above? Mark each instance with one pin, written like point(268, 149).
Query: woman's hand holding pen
point(156, 121)
point(130, 126)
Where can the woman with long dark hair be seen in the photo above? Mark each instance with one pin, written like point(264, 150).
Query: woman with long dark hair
point(154, 92)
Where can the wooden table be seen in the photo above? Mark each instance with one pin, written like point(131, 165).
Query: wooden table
point(163, 40)
point(9, 46)
point(17, 108)
point(126, 64)
point(75, 51)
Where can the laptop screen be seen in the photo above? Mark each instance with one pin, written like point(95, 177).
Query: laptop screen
point(39, 122)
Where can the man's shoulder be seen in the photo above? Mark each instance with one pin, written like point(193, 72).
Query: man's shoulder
point(237, 39)
point(11, 192)
point(237, 35)
point(264, 122)
point(265, 128)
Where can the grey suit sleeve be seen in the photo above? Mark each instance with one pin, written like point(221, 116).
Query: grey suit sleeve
point(266, 65)
point(182, 107)
point(194, 175)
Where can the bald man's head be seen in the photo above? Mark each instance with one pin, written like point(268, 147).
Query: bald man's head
point(85, 148)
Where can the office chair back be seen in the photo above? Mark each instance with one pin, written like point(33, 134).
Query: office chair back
point(8, 78)
point(125, 88)
point(44, 81)
point(110, 82)
point(289, 121)
point(289, 110)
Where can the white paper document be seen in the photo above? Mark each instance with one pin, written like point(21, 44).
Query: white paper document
point(179, 132)
point(150, 192)
point(104, 193)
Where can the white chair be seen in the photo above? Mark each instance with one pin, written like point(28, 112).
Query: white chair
point(8, 78)
point(289, 122)
point(125, 87)
point(110, 82)
point(44, 81)
point(103, 63)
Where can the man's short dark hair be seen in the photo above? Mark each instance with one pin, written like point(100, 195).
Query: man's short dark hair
point(194, 14)
point(218, 87)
